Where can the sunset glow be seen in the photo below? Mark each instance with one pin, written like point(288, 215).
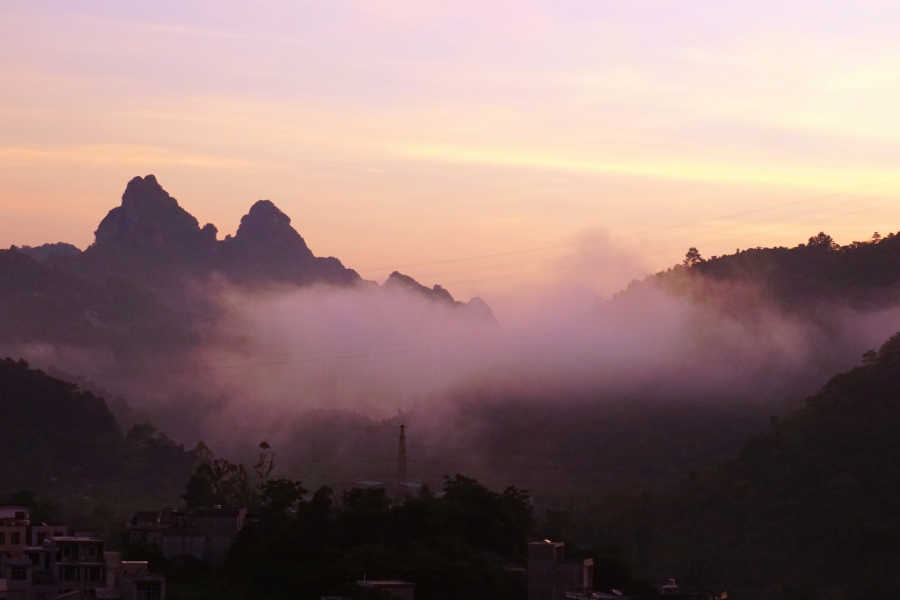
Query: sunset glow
point(402, 133)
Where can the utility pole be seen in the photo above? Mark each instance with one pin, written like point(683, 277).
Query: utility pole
point(401, 464)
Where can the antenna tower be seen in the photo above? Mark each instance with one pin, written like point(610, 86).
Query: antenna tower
point(401, 463)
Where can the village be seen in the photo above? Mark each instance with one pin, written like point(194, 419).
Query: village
point(48, 561)
point(41, 561)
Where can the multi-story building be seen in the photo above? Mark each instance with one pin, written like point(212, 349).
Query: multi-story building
point(204, 533)
point(14, 521)
point(134, 581)
point(69, 567)
point(38, 533)
point(551, 575)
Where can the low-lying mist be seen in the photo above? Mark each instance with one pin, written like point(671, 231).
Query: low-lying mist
point(566, 388)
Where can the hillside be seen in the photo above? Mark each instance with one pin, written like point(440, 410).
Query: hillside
point(58, 437)
point(860, 275)
point(811, 506)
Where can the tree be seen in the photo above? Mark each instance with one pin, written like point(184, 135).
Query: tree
point(692, 257)
point(280, 495)
point(266, 463)
point(221, 482)
point(202, 488)
point(823, 241)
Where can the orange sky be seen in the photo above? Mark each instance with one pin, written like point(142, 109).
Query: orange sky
point(404, 132)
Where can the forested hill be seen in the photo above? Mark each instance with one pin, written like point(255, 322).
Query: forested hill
point(812, 506)
point(56, 436)
point(859, 275)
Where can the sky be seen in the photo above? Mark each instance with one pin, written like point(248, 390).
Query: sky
point(477, 144)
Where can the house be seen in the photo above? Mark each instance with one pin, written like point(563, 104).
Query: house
point(18, 532)
point(76, 568)
point(14, 522)
point(402, 590)
point(204, 533)
point(134, 581)
point(551, 575)
point(38, 533)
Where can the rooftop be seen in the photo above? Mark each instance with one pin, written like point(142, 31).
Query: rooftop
point(386, 583)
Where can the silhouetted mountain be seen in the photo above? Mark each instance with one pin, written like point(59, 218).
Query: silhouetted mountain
point(266, 248)
point(48, 251)
point(131, 290)
point(475, 307)
point(41, 302)
point(151, 238)
point(859, 275)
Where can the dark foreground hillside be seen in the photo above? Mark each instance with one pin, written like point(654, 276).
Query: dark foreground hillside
point(809, 508)
point(65, 444)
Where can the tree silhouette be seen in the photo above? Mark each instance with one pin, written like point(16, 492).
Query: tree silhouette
point(692, 257)
point(823, 241)
point(266, 463)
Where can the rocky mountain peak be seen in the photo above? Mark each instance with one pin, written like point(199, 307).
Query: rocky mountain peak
point(265, 226)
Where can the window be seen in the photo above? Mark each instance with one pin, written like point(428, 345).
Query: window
point(92, 551)
point(149, 590)
point(95, 574)
point(15, 538)
point(41, 537)
point(70, 574)
point(58, 534)
point(2, 538)
point(20, 515)
point(19, 574)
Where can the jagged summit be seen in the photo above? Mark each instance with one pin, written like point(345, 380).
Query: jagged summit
point(398, 280)
point(475, 307)
point(266, 229)
point(145, 192)
point(150, 237)
point(150, 230)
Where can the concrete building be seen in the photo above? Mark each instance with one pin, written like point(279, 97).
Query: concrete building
point(77, 568)
point(38, 533)
point(551, 575)
point(14, 522)
point(402, 590)
point(134, 581)
point(205, 533)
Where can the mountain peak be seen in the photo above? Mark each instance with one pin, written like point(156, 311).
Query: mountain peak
point(398, 280)
point(150, 229)
point(146, 193)
point(266, 229)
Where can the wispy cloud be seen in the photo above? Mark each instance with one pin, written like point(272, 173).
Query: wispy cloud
point(116, 154)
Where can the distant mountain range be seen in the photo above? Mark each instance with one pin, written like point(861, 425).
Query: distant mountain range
point(131, 287)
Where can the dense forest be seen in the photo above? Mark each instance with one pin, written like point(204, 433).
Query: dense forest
point(818, 274)
point(64, 444)
point(808, 509)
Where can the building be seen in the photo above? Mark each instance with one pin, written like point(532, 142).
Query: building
point(17, 532)
point(204, 533)
point(402, 590)
point(134, 581)
point(14, 522)
point(551, 575)
point(75, 568)
point(38, 533)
